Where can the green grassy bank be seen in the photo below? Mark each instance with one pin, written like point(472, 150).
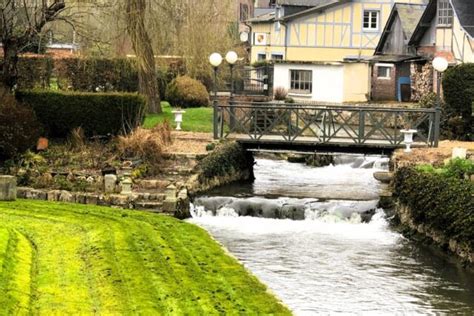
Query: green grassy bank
point(194, 120)
point(58, 258)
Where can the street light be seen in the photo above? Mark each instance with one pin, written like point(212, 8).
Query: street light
point(231, 58)
point(215, 59)
point(440, 64)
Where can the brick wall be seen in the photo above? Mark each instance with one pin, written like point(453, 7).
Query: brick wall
point(384, 89)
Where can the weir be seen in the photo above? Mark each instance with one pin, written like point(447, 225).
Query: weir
point(318, 238)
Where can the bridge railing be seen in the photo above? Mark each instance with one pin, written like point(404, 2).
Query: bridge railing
point(361, 125)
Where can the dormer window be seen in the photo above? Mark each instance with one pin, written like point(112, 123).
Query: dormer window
point(445, 13)
point(371, 20)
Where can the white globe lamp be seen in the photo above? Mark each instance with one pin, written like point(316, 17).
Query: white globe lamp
point(231, 57)
point(440, 64)
point(215, 59)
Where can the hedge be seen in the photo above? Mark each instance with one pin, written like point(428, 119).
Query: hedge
point(441, 203)
point(96, 113)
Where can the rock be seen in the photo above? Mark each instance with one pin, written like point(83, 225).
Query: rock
point(8, 188)
point(118, 200)
point(33, 194)
point(21, 192)
point(169, 205)
point(110, 183)
point(66, 196)
point(92, 199)
point(182, 205)
point(90, 179)
point(53, 195)
point(383, 176)
point(459, 152)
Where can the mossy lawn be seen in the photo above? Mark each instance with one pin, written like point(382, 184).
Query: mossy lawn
point(58, 258)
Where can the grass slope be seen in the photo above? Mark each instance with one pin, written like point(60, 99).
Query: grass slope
point(58, 258)
point(194, 120)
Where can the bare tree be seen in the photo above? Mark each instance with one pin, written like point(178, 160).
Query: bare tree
point(142, 46)
point(21, 22)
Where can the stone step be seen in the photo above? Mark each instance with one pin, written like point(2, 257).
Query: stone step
point(155, 206)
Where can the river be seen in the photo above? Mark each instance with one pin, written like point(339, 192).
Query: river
point(315, 237)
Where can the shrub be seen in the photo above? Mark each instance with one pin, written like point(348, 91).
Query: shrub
point(428, 101)
point(458, 85)
point(19, 128)
point(146, 144)
point(456, 168)
point(439, 202)
point(96, 113)
point(280, 94)
point(187, 92)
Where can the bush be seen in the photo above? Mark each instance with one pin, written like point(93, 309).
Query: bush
point(280, 94)
point(187, 92)
point(146, 144)
point(19, 128)
point(458, 85)
point(456, 168)
point(441, 203)
point(96, 113)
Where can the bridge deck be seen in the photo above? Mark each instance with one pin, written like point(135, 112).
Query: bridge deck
point(332, 128)
point(311, 144)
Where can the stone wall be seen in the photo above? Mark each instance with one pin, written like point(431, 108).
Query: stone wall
point(461, 249)
point(229, 162)
point(437, 207)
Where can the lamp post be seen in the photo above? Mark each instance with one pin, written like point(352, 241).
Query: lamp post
point(215, 59)
point(231, 58)
point(440, 64)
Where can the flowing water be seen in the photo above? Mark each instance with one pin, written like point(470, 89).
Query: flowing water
point(317, 239)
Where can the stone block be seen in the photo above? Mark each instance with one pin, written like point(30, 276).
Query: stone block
point(92, 199)
point(459, 152)
point(7, 188)
point(110, 183)
point(53, 195)
point(33, 194)
point(21, 192)
point(67, 196)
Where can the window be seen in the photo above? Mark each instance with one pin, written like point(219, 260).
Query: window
point(277, 56)
point(261, 57)
point(301, 81)
point(371, 20)
point(445, 13)
point(384, 71)
point(244, 12)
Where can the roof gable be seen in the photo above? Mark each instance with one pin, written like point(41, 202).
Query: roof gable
point(409, 16)
point(423, 24)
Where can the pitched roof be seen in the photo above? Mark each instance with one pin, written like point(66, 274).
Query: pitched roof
point(409, 14)
point(319, 5)
point(424, 23)
point(464, 10)
point(302, 3)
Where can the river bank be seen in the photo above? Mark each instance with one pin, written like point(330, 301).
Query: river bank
point(430, 204)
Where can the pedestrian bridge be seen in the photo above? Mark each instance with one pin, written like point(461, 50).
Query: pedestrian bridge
point(332, 128)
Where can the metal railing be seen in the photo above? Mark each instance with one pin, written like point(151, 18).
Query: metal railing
point(326, 124)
